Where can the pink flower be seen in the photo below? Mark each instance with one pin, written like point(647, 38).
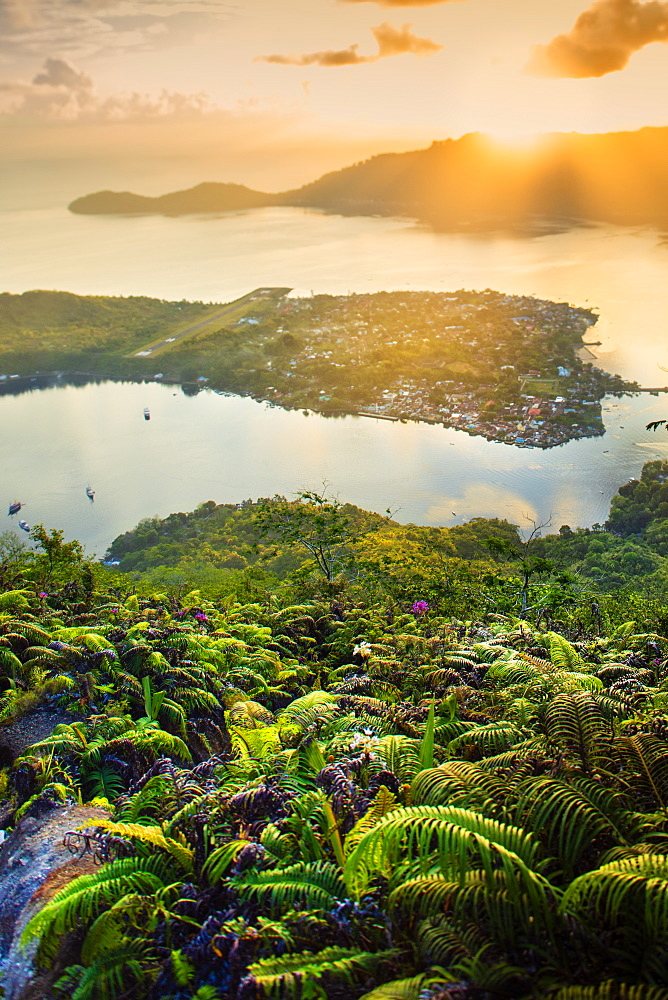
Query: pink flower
point(420, 608)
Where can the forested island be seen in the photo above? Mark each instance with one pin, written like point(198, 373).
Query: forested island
point(474, 183)
point(300, 750)
point(509, 368)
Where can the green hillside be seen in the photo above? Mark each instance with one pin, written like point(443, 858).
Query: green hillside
point(342, 757)
point(324, 783)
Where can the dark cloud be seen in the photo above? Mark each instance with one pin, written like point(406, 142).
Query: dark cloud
point(62, 93)
point(603, 39)
point(390, 41)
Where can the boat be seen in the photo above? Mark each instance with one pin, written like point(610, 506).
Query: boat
point(90, 493)
point(15, 507)
point(147, 413)
point(24, 526)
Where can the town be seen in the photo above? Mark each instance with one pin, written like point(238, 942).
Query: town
point(509, 368)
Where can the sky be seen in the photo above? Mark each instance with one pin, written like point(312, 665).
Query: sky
point(275, 92)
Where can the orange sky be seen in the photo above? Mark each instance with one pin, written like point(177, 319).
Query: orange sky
point(274, 92)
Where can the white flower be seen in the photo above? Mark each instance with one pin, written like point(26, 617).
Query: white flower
point(363, 649)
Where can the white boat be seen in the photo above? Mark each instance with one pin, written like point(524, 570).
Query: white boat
point(147, 413)
point(24, 526)
point(90, 493)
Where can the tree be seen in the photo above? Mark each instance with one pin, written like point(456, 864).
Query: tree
point(324, 527)
point(59, 558)
point(529, 564)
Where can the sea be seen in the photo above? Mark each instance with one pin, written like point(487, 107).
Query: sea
point(57, 441)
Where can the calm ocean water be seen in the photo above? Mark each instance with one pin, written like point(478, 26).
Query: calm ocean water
point(57, 441)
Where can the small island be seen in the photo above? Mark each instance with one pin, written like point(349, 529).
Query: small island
point(509, 368)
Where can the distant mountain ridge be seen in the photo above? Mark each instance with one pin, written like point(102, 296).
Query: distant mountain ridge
point(473, 182)
point(207, 197)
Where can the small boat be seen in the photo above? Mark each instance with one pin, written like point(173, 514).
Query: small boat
point(90, 493)
point(24, 526)
point(15, 507)
point(147, 413)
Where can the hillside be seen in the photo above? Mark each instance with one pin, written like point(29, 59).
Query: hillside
point(322, 794)
point(472, 182)
point(461, 570)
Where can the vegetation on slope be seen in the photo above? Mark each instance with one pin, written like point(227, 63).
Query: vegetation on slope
point(473, 568)
point(341, 797)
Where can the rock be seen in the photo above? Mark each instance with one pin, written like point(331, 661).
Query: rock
point(34, 865)
point(29, 729)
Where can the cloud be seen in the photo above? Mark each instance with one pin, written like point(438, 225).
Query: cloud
point(390, 41)
point(602, 40)
point(79, 28)
point(403, 3)
point(397, 41)
point(62, 93)
point(330, 57)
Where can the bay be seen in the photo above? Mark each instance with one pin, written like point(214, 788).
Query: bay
point(57, 441)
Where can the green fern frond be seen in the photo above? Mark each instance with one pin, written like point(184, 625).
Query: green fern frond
point(576, 721)
point(565, 818)
point(148, 835)
point(494, 737)
point(611, 989)
point(282, 977)
point(645, 760)
point(383, 804)
point(80, 900)
point(306, 885)
point(115, 972)
point(399, 989)
point(460, 783)
point(563, 654)
point(400, 754)
point(632, 891)
point(446, 836)
point(249, 714)
point(220, 859)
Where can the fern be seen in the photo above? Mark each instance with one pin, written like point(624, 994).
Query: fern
point(577, 722)
point(399, 989)
point(400, 754)
point(645, 760)
point(152, 835)
point(564, 817)
point(609, 990)
point(563, 655)
point(463, 784)
point(312, 885)
point(443, 836)
point(110, 975)
point(80, 901)
point(282, 977)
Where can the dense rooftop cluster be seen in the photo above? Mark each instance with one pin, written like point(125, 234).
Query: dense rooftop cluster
point(505, 367)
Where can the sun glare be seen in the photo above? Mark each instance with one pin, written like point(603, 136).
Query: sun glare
point(512, 139)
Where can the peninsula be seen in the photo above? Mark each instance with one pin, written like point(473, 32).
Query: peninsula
point(509, 368)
